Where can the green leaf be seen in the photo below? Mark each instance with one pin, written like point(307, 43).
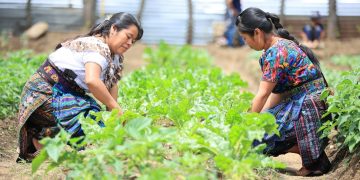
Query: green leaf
point(39, 159)
point(332, 108)
point(138, 123)
point(134, 126)
point(324, 94)
point(53, 150)
point(157, 173)
point(352, 146)
point(223, 163)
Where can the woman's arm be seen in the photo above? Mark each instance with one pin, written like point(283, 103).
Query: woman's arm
point(114, 93)
point(97, 87)
point(262, 95)
point(272, 100)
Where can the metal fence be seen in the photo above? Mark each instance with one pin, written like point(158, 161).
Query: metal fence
point(168, 19)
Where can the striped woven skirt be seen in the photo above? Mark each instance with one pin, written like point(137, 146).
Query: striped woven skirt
point(49, 101)
point(299, 117)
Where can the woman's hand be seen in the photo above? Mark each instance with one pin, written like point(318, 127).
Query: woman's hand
point(120, 111)
point(114, 94)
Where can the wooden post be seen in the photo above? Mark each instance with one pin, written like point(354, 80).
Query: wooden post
point(89, 12)
point(332, 21)
point(190, 23)
point(141, 10)
point(28, 14)
point(282, 14)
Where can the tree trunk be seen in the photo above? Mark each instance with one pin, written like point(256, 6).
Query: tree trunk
point(190, 23)
point(332, 23)
point(141, 10)
point(28, 14)
point(89, 12)
point(282, 14)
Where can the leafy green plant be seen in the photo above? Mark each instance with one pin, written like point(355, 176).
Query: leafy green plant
point(331, 75)
point(184, 119)
point(16, 68)
point(4, 38)
point(352, 62)
point(344, 106)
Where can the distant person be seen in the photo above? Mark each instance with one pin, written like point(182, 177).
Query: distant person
point(290, 89)
point(313, 34)
point(231, 36)
point(55, 96)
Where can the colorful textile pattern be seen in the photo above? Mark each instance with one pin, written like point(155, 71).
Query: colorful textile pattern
point(299, 118)
point(35, 93)
point(51, 74)
point(69, 106)
point(306, 127)
point(91, 43)
point(286, 64)
point(48, 102)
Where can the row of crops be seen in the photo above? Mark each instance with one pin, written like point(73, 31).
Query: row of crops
point(15, 68)
point(184, 119)
point(343, 98)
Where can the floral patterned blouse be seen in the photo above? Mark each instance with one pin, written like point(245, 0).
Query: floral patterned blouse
point(287, 65)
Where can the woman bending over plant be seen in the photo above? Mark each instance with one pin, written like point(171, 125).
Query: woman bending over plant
point(289, 89)
point(56, 95)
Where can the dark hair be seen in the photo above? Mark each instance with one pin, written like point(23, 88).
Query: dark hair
point(252, 18)
point(120, 20)
point(315, 15)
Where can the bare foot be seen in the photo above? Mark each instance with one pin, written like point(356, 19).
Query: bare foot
point(305, 172)
point(36, 143)
point(294, 149)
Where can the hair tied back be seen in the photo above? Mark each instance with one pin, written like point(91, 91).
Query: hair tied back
point(267, 15)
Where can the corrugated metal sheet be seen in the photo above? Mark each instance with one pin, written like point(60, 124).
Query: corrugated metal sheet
point(306, 7)
point(165, 21)
point(61, 15)
point(13, 4)
point(162, 19)
point(168, 20)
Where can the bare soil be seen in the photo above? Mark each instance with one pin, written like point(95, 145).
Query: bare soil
point(231, 60)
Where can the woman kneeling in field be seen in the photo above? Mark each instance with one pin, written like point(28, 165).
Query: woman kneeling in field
point(290, 90)
point(55, 96)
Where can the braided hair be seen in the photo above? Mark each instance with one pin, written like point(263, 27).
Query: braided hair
point(252, 18)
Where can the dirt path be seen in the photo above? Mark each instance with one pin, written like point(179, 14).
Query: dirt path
point(233, 60)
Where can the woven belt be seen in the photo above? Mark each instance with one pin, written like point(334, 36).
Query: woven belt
point(309, 87)
point(53, 75)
